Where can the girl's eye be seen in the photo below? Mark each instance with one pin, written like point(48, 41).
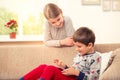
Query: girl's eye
point(58, 19)
point(53, 22)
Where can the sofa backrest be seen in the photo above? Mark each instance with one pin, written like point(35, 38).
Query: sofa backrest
point(106, 47)
point(16, 60)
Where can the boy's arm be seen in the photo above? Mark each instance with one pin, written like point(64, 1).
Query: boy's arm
point(93, 73)
point(60, 64)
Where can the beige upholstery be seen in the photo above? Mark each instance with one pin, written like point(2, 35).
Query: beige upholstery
point(16, 60)
point(113, 72)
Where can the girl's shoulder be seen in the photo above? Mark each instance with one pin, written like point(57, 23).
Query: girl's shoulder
point(67, 18)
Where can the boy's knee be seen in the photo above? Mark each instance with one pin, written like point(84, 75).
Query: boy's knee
point(42, 65)
point(50, 67)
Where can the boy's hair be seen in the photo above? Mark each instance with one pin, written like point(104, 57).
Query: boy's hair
point(84, 35)
point(51, 11)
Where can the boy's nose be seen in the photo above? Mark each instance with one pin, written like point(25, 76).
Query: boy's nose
point(77, 49)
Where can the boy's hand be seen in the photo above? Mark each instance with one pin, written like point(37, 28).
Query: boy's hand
point(70, 71)
point(59, 63)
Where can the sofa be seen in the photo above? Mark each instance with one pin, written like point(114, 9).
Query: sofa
point(18, 59)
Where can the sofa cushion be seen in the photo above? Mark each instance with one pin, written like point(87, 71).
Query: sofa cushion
point(112, 72)
point(104, 60)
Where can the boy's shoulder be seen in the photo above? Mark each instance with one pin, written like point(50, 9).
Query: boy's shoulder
point(97, 53)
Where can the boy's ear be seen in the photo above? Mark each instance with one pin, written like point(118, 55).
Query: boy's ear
point(90, 45)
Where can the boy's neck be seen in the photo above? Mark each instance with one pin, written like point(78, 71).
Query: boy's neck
point(91, 51)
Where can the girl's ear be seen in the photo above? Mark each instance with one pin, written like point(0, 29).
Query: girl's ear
point(60, 11)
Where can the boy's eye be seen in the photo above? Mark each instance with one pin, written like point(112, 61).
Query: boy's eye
point(79, 46)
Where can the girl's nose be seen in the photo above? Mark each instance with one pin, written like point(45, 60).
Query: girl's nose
point(57, 23)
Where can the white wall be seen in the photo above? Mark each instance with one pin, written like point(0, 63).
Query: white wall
point(106, 25)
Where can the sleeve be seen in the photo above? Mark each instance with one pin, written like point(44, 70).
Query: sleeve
point(69, 27)
point(48, 38)
point(93, 72)
point(81, 76)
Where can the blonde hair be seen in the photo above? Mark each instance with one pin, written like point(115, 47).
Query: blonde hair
point(51, 11)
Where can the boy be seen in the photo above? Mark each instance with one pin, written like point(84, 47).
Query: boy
point(86, 63)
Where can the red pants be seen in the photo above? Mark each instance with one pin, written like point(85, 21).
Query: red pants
point(47, 72)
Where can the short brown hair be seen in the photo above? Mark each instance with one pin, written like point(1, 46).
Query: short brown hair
point(84, 35)
point(51, 11)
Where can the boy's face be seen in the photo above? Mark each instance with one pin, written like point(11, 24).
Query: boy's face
point(82, 48)
point(58, 21)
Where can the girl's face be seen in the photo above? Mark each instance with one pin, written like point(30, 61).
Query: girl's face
point(82, 48)
point(58, 21)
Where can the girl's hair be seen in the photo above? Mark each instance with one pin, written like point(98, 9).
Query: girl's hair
point(84, 35)
point(51, 11)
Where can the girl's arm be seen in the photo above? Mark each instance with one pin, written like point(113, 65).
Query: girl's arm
point(48, 37)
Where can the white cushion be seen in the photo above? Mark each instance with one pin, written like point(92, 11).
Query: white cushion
point(104, 60)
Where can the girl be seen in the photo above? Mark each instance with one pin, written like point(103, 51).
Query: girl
point(58, 28)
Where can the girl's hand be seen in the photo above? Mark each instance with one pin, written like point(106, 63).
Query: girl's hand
point(70, 71)
point(59, 63)
point(67, 41)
